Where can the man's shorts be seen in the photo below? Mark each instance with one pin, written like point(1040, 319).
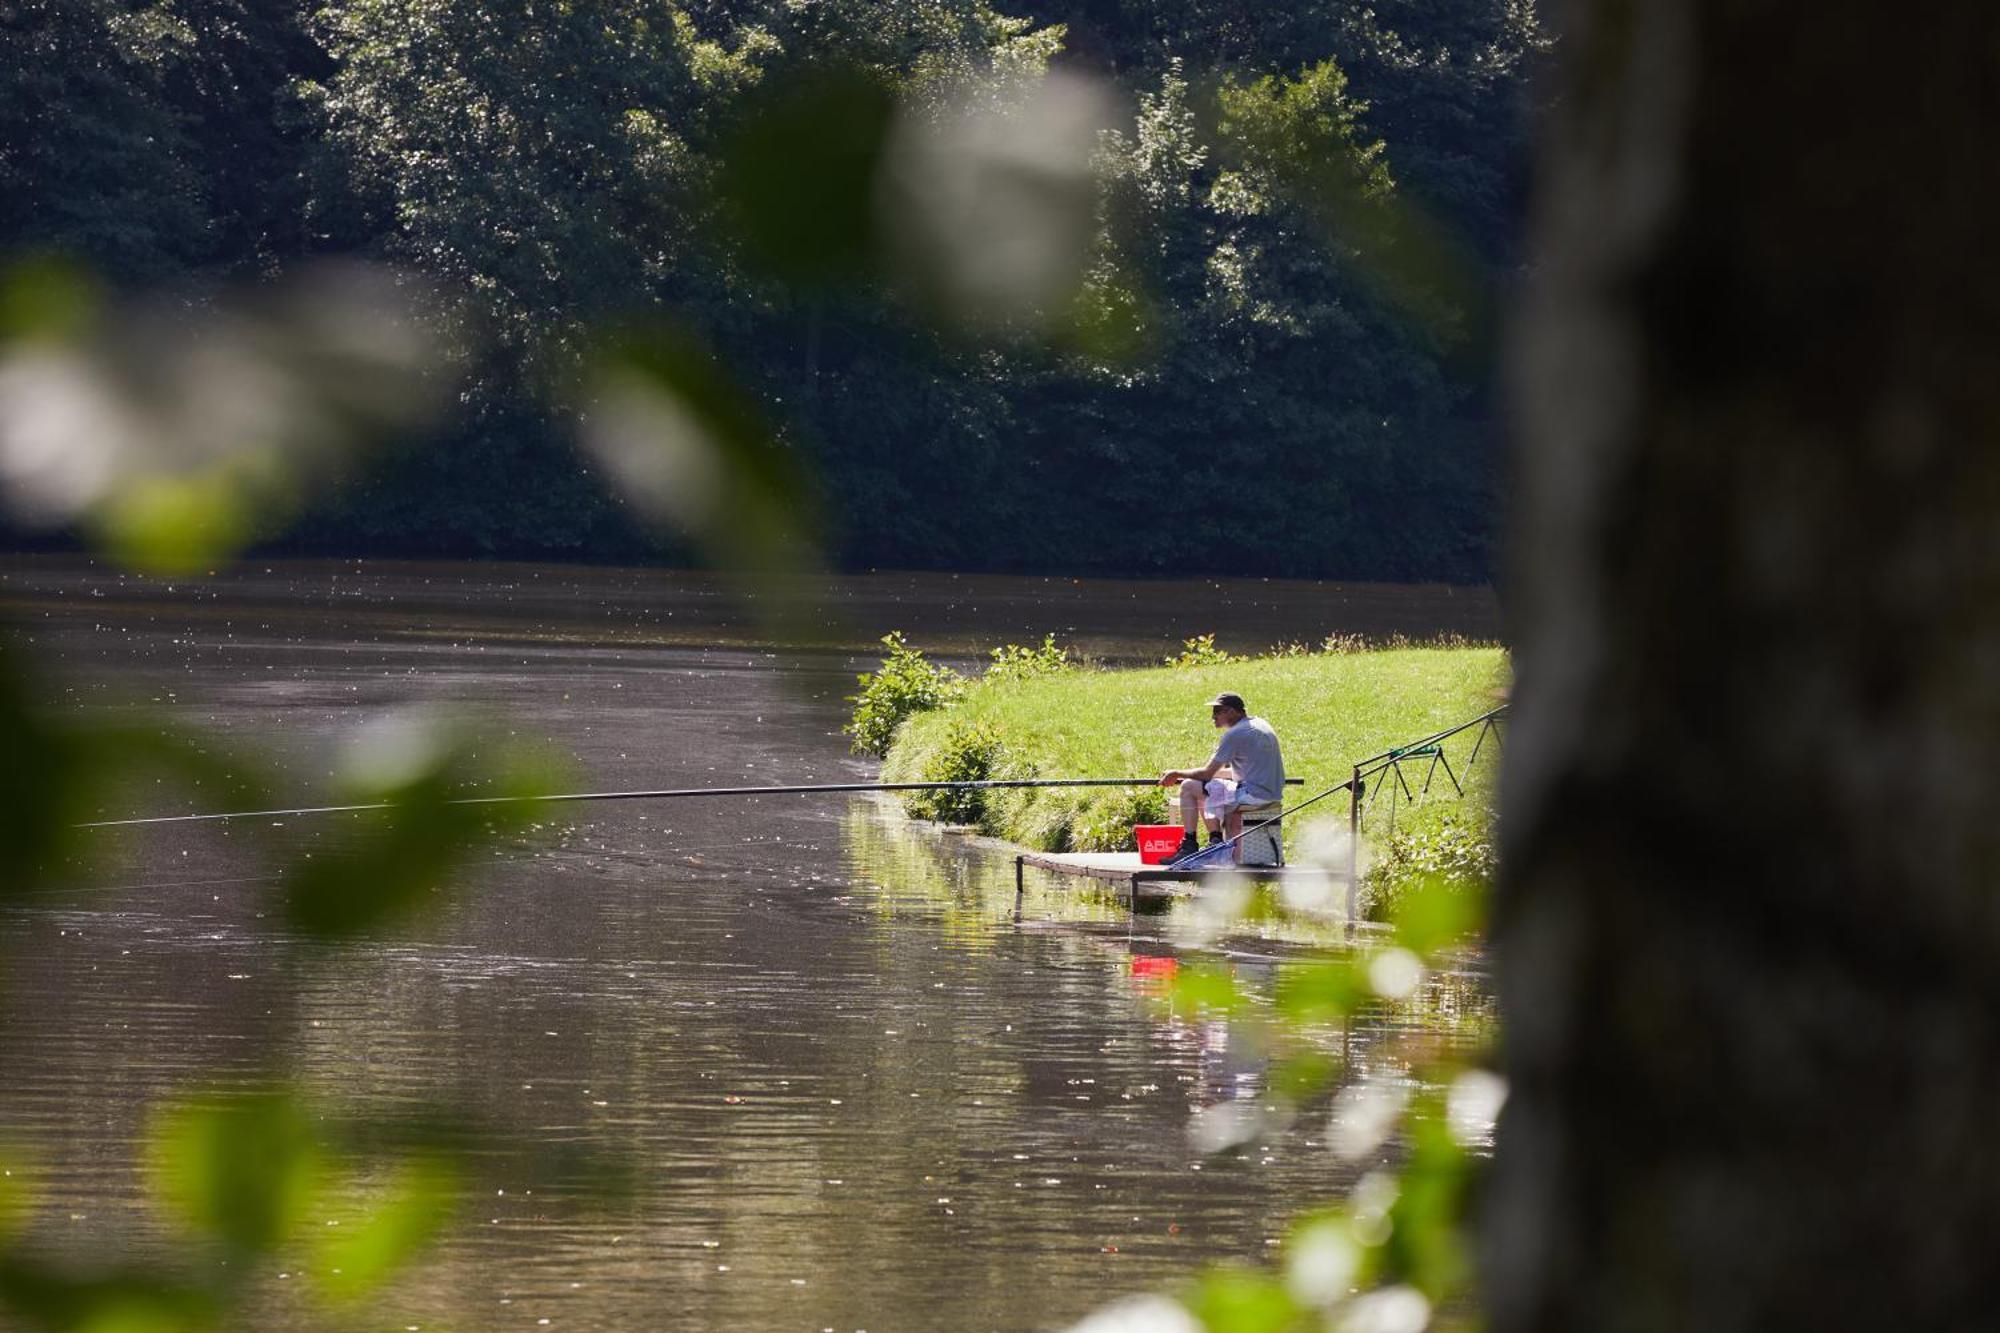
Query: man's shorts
point(1219, 796)
point(1222, 795)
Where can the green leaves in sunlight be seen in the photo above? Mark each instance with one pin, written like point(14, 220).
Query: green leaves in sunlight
point(1435, 913)
point(392, 861)
point(1298, 139)
point(1323, 989)
point(176, 431)
point(907, 683)
point(254, 1177)
point(1242, 1300)
point(241, 1170)
point(386, 1228)
point(1205, 988)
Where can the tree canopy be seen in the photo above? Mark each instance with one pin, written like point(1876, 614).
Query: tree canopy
point(1276, 365)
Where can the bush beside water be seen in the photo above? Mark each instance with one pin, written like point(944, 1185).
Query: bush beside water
point(1455, 853)
point(905, 684)
point(1038, 713)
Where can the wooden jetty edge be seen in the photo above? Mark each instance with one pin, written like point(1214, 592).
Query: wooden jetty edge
point(1139, 882)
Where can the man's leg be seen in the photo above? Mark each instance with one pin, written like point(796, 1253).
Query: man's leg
point(1219, 790)
point(1233, 821)
point(1191, 813)
point(1191, 805)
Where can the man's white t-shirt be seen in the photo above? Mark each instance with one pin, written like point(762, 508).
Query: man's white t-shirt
point(1250, 748)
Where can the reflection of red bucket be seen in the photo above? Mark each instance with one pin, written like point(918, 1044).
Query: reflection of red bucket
point(1157, 842)
point(1153, 972)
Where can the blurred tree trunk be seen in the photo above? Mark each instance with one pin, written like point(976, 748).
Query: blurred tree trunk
point(1749, 938)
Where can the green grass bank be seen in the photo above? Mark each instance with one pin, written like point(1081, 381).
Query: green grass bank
point(1330, 708)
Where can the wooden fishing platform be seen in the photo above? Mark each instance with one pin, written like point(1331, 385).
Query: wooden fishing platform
point(1138, 882)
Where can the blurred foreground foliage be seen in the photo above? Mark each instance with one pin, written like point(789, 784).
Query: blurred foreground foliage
point(170, 433)
point(249, 1175)
point(249, 1179)
point(1392, 1253)
point(993, 284)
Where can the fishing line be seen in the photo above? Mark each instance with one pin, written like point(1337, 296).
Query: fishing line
point(984, 784)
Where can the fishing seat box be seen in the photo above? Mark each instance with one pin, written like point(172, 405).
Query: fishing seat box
point(1262, 846)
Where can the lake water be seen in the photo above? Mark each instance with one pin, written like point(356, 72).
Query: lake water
point(852, 1090)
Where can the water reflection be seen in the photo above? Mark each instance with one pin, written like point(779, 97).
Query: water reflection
point(851, 1089)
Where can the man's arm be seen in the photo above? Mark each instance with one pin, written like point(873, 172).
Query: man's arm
point(1173, 775)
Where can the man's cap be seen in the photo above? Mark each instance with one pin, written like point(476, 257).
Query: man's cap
point(1226, 700)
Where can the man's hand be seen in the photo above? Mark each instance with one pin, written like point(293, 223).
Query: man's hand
point(1172, 777)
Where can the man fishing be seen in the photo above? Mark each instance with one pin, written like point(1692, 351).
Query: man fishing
point(1248, 754)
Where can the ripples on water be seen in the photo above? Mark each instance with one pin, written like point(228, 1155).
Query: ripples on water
point(854, 1091)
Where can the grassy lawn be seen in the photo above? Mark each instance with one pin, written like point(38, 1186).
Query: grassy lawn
point(1330, 709)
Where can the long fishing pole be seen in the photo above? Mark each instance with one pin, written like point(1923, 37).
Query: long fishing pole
point(983, 784)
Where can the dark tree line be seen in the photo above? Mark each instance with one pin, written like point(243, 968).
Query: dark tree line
point(1257, 394)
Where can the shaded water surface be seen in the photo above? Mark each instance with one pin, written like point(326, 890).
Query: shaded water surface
point(854, 1091)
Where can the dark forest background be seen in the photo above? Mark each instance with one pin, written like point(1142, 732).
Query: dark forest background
point(1252, 396)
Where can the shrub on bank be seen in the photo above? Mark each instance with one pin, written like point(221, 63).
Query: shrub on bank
point(905, 684)
point(1013, 662)
point(1456, 854)
point(968, 752)
point(1200, 651)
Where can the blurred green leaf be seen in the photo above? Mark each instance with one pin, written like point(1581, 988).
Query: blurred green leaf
point(368, 1247)
point(62, 773)
point(41, 786)
point(1426, 1247)
point(125, 1301)
point(1298, 1078)
point(238, 1167)
point(19, 1195)
point(1203, 987)
point(176, 525)
point(391, 861)
point(798, 173)
point(46, 297)
point(1332, 988)
point(686, 445)
point(1434, 914)
point(177, 430)
point(989, 199)
point(1239, 1300)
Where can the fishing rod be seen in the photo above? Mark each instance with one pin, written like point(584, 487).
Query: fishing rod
point(811, 788)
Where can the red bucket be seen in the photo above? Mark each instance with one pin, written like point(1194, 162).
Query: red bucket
point(1157, 842)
